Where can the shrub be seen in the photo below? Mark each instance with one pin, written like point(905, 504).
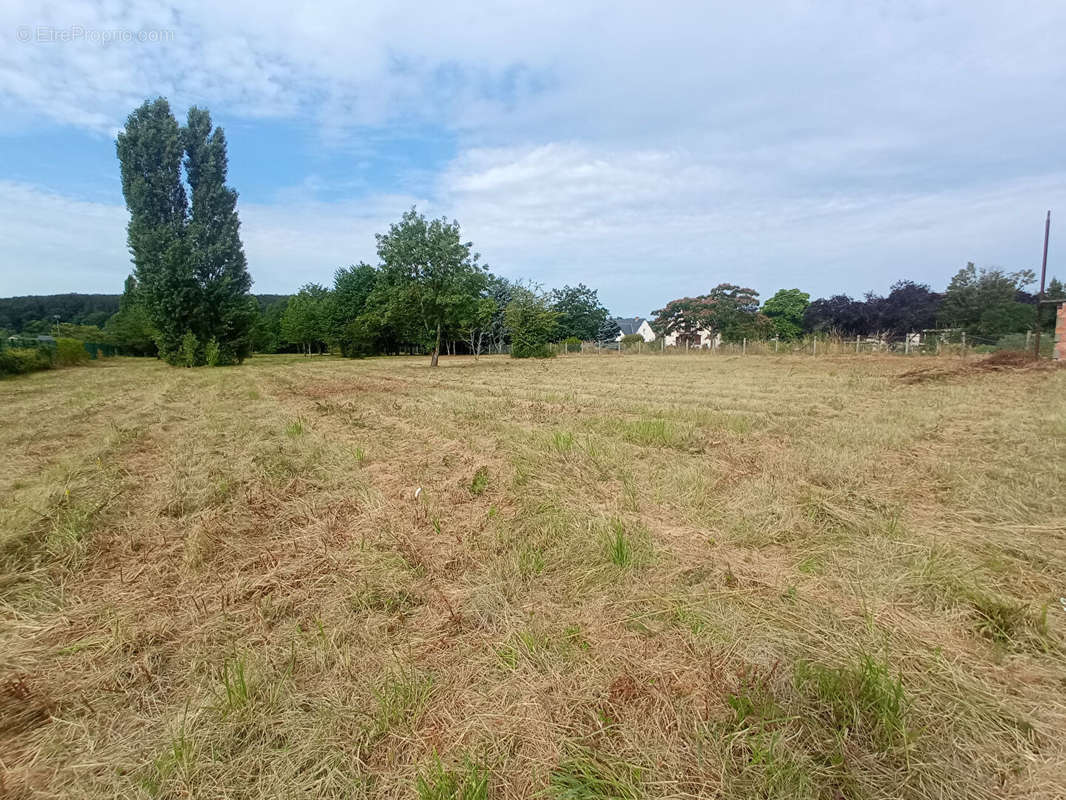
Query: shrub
point(632, 339)
point(188, 355)
point(572, 344)
point(70, 352)
point(531, 322)
point(19, 361)
point(540, 350)
point(212, 353)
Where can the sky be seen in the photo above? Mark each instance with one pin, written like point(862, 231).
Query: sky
point(650, 150)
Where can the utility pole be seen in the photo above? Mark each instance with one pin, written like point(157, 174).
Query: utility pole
point(1043, 275)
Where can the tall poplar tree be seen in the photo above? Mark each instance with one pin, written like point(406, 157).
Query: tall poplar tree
point(189, 264)
point(226, 311)
point(150, 151)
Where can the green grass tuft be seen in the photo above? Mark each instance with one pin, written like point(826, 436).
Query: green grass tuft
point(591, 775)
point(480, 482)
point(468, 782)
point(401, 698)
point(860, 698)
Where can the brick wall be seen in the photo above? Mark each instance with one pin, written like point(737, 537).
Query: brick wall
point(1060, 333)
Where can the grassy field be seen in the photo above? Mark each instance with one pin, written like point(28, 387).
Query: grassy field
point(593, 577)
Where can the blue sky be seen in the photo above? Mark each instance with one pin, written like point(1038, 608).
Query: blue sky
point(650, 150)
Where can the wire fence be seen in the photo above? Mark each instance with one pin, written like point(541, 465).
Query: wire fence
point(928, 343)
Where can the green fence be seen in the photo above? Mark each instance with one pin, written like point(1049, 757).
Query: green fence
point(99, 349)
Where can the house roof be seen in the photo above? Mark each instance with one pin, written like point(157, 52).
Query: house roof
point(628, 325)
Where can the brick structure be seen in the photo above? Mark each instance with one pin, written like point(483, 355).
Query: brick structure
point(1059, 351)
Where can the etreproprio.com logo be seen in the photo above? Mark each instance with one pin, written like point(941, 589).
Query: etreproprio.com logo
point(52, 34)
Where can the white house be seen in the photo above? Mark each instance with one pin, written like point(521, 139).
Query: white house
point(702, 338)
point(630, 325)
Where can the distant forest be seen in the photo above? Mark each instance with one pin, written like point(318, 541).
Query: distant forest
point(36, 313)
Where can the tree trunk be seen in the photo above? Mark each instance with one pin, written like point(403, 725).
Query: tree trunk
point(436, 349)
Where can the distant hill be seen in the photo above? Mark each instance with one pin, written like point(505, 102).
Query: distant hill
point(81, 309)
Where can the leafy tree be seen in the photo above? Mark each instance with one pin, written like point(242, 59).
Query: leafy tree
point(266, 332)
point(785, 310)
point(683, 317)
point(579, 310)
point(908, 307)
point(500, 291)
point(430, 277)
point(531, 322)
point(838, 314)
point(129, 327)
point(728, 309)
point(150, 151)
point(350, 327)
point(985, 302)
point(734, 312)
point(190, 266)
point(479, 324)
point(352, 286)
point(82, 333)
point(218, 262)
point(1054, 291)
point(305, 321)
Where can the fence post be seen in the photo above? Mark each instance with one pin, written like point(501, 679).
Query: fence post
point(744, 347)
point(1028, 335)
point(906, 344)
point(776, 343)
point(815, 351)
point(964, 343)
point(856, 343)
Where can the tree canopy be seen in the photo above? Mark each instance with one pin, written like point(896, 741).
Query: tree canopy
point(305, 320)
point(785, 310)
point(728, 309)
point(986, 302)
point(580, 314)
point(430, 279)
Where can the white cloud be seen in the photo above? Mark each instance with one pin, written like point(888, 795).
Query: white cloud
point(641, 226)
point(651, 149)
point(44, 234)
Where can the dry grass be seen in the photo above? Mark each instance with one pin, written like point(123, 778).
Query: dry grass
point(623, 577)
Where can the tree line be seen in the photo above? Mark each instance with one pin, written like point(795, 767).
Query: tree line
point(983, 302)
point(430, 293)
point(189, 291)
point(354, 317)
